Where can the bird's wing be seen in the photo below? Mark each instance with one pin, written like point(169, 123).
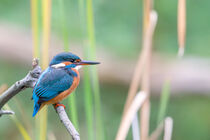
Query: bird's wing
point(51, 83)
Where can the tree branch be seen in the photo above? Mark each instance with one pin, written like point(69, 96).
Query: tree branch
point(29, 82)
point(65, 120)
point(6, 112)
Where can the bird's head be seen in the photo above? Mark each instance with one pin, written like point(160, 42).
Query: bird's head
point(67, 59)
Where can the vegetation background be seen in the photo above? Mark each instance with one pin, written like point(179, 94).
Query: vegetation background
point(118, 30)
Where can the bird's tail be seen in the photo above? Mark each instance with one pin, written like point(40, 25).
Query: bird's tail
point(36, 108)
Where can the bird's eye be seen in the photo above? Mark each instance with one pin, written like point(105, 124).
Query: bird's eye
point(72, 60)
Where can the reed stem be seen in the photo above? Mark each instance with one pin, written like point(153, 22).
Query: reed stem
point(181, 26)
point(73, 110)
point(163, 101)
point(46, 19)
point(35, 20)
point(94, 73)
point(87, 85)
point(35, 28)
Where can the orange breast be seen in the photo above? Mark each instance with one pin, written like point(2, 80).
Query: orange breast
point(65, 93)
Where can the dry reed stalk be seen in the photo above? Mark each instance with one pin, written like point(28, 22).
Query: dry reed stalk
point(168, 128)
point(147, 43)
point(135, 128)
point(147, 8)
point(3, 88)
point(167, 125)
point(129, 116)
point(157, 132)
point(144, 120)
point(145, 111)
point(144, 115)
point(141, 60)
point(181, 19)
point(136, 78)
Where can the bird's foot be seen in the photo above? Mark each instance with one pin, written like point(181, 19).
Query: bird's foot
point(58, 104)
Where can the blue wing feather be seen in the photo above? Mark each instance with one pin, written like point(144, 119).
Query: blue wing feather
point(51, 83)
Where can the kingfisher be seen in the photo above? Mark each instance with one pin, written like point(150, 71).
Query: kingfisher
point(58, 81)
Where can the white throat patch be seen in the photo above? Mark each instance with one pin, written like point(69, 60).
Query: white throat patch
point(58, 65)
point(78, 67)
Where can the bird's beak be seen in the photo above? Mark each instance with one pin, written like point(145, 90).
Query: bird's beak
point(83, 62)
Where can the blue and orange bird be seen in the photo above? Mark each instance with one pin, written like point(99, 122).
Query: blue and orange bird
point(58, 80)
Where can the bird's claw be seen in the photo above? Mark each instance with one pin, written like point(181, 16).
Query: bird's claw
point(57, 105)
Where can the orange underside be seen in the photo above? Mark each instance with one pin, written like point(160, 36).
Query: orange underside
point(65, 93)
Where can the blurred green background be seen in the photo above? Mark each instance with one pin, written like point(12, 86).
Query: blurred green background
point(118, 28)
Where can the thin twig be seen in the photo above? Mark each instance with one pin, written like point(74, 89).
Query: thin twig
point(65, 120)
point(6, 112)
point(28, 82)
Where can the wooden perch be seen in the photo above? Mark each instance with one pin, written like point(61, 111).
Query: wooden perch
point(65, 120)
point(29, 82)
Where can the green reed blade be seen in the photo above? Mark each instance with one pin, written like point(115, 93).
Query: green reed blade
point(63, 24)
point(163, 101)
point(88, 104)
point(87, 86)
point(94, 74)
point(73, 110)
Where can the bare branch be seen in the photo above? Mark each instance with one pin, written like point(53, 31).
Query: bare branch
point(67, 123)
point(28, 81)
point(7, 112)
